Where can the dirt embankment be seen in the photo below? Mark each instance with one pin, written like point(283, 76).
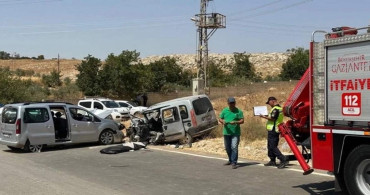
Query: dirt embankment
point(67, 67)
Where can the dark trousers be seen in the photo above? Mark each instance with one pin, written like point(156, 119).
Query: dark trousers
point(272, 146)
point(231, 146)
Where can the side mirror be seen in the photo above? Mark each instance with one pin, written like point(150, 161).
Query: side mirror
point(90, 118)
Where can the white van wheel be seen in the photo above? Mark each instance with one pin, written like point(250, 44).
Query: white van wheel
point(188, 139)
point(106, 137)
point(32, 148)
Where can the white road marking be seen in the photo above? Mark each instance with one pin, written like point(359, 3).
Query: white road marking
point(224, 159)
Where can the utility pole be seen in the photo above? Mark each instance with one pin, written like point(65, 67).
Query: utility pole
point(58, 65)
point(205, 21)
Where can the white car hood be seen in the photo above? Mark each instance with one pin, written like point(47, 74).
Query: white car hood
point(102, 113)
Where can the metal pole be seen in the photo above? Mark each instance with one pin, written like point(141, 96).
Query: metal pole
point(58, 64)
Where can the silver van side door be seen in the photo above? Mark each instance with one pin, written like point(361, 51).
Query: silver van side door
point(83, 127)
point(185, 117)
point(173, 128)
point(38, 125)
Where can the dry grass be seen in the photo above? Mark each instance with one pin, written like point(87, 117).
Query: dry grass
point(253, 134)
point(67, 67)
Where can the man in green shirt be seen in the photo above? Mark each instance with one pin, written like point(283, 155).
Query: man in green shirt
point(231, 117)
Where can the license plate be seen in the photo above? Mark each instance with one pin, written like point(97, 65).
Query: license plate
point(6, 135)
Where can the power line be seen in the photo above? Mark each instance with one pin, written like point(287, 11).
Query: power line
point(273, 10)
point(104, 29)
point(280, 33)
point(276, 24)
point(255, 8)
point(97, 23)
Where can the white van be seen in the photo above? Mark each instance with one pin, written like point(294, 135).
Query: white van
point(30, 126)
point(180, 119)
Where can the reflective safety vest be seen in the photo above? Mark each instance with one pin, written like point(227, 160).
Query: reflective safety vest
point(271, 123)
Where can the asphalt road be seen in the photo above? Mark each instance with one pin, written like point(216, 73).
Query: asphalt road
point(83, 170)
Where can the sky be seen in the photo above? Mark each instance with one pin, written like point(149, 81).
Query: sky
point(77, 28)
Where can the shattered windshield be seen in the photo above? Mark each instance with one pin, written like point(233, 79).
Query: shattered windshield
point(154, 114)
point(110, 104)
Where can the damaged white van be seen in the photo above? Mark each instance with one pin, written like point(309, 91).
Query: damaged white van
point(180, 119)
point(31, 126)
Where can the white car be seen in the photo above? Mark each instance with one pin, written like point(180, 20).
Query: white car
point(104, 106)
point(132, 106)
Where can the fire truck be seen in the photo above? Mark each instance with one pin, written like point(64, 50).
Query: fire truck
point(329, 109)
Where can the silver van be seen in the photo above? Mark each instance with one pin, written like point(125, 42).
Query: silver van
point(180, 119)
point(30, 126)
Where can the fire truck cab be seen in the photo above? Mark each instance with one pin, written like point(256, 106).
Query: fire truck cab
point(330, 109)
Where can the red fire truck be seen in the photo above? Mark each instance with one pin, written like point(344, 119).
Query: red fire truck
point(330, 109)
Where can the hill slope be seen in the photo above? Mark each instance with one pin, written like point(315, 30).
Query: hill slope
point(266, 63)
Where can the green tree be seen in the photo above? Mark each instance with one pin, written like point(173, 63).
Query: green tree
point(88, 78)
point(40, 57)
point(14, 89)
point(68, 91)
point(52, 80)
point(166, 70)
point(296, 64)
point(243, 68)
point(4, 55)
point(217, 76)
point(123, 75)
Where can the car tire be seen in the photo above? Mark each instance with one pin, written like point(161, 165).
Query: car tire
point(357, 170)
point(106, 137)
point(32, 148)
point(188, 139)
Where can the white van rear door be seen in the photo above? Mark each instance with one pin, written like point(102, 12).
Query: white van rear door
point(38, 125)
point(173, 127)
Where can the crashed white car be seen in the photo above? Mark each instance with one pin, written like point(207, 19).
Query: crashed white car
point(132, 106)
point(105, 108)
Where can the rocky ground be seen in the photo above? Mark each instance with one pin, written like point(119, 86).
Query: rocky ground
point(265, 63)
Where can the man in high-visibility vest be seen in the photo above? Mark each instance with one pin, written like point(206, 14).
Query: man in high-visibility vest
point(273, 120)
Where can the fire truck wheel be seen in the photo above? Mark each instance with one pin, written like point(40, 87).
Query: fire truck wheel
point(357, 170)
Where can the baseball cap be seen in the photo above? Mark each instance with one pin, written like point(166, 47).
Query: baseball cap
point(270, 98)
point(230, 100)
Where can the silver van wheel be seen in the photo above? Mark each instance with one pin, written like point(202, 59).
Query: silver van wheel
point(106, 137)
point(32, 148)
point(188, 139)
point(35, 148)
